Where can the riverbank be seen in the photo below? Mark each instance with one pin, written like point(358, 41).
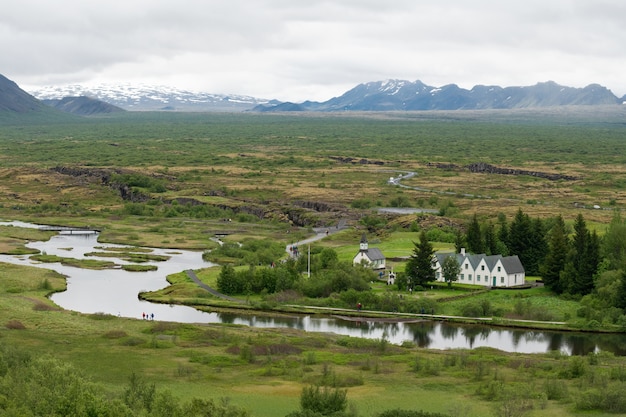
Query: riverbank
point(227, 303)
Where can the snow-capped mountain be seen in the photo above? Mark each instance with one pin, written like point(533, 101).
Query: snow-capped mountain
point(144, 97)
point(402, 95)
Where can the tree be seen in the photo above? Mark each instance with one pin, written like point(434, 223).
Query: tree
point(583, 259)
point(227, 280)
point(474, 237)
point(614, 243)
point(621, 293)
point(450, 269)
point(419, 268)
point(554, 262)
point(491, 240)
point(520, 238)
point(328, 257)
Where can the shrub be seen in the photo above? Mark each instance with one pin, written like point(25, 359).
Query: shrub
point(324, 401)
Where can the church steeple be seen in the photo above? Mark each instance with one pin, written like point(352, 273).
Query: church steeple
point(363, 245)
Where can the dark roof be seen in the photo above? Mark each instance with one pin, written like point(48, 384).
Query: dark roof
point(374, 254)
point(512, 265)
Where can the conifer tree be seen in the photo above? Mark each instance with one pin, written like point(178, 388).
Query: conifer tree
point(614, 243)
point(419, 267)
point(554, 262)
point(538, 248)
point(491, 240)
point(520, 239)
point(583, 259)
point(474, 238)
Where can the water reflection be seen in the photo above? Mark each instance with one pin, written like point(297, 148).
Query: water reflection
point(115, 292)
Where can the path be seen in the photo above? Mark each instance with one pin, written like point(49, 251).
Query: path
point(191, 274)
point(321, 233)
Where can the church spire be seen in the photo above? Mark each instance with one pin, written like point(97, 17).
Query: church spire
point(363, 245)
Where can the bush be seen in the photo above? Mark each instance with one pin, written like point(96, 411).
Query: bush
point(324, 401)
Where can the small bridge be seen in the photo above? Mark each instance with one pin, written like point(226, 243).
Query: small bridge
point(69, 229)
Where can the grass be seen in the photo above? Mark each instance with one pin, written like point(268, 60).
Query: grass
point(248, 167)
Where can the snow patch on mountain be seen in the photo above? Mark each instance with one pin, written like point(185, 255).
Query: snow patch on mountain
point(147, 97)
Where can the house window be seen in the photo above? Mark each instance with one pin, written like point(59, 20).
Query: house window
point(466, 266)
point(462, 276)
point(501, 280)
point(469, 277)
point(482, 267)
point(498, 269)
point(438, 275)
point(478, 277)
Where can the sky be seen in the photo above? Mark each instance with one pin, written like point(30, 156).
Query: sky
point(296, 50)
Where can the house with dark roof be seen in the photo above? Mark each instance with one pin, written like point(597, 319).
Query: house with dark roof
point(485, 270)
point(371, 257)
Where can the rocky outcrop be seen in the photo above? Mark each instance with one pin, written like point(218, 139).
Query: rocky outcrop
point(482, 167)
point(355, 161)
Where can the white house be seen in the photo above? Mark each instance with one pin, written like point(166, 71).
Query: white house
point(485, 270)
point(371, 257)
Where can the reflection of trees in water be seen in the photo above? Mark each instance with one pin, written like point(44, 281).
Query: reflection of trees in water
point(472, 332)
point(448, 331)
point(426, 334)
point(555, 341)
point(581, 344)
point(615, 343)
point(421, 333)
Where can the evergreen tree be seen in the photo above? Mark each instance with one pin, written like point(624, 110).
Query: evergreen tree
point(520, 239)
point(419, 267)
point(583, 259)
point(491, 240)
point(503, 235)
point(554, 262)
point(614, 243)
point(459, 241)
point(538, 248)
point(474, 237)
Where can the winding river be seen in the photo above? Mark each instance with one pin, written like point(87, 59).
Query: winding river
point(114, 291)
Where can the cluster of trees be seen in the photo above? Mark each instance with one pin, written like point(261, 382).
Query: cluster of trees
point(327, 276)
point(567, 264)
point(572, 260)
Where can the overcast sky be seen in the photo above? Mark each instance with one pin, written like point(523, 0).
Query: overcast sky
point(312, 49)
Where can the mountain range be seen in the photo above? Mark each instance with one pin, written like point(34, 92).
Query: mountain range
point(152, 98)
point(389, 95)
point(402, 95)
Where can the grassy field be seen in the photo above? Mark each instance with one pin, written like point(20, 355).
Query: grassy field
point(250, 176)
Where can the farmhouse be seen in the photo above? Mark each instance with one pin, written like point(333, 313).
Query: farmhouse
point(371, 257)
point(485, 270)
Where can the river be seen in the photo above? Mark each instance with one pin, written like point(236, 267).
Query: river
point(115, 292)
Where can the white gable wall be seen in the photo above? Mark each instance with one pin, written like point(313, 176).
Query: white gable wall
point(482, 274)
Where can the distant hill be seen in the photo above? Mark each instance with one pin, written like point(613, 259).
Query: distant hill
point(82, 106)
point(14, 99)
point(402, 95)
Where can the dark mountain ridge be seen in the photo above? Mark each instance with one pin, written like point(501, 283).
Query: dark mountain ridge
point(82, 106)
point(14, 99)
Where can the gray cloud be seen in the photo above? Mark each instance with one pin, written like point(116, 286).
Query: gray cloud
point(316, 49)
